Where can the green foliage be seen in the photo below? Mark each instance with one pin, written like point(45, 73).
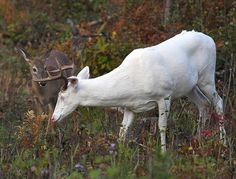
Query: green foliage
point(162, 165)
point(75, 175)
point(104, 55)
point(94, 174)
point(113, 172)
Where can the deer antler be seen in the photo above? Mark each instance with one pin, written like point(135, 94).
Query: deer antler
point(59, 76)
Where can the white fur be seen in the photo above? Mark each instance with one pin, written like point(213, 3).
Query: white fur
point(148, 77)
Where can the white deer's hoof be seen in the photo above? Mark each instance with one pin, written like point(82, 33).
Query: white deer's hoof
point(163, 149)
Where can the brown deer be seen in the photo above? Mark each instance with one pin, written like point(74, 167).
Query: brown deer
point(49, 73)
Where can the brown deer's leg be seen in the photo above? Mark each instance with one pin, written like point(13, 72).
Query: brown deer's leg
point(37, 106)
point(50, 112)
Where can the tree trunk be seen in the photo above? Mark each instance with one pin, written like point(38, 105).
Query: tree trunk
point(167, 12)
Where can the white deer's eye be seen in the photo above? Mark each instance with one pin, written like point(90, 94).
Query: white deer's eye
point(35, 69)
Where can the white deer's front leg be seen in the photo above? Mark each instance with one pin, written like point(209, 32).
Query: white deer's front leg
point(164, 107)
point(127, 121)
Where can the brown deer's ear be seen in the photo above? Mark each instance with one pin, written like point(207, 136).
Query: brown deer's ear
point(46, 55)
point(24, 54)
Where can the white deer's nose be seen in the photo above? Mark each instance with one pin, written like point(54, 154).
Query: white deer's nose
point(55, 118)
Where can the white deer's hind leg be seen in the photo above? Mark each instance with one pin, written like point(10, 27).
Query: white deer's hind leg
point(219, 111)
point(201, 101)
point(127, 121)
point(216, 100)
point(164, 108)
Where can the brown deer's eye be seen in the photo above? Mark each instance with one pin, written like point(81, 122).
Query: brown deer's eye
point(35, 70)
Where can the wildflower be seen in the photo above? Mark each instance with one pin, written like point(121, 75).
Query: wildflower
point(44, 173)
point(113, 34)
point(79, 167)
point(206, 133)
point(112, 148)
point(1, 174)
point(190, 148)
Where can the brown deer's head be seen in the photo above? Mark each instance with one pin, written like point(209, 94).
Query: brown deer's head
point(48, 67)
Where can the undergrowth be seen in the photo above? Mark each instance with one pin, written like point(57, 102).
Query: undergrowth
point(83, 147)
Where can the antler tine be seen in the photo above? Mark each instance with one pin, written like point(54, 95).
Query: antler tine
point(58, 63)
point(49, 78)
point(59, 76)
point(65, 67)
point(49, 75)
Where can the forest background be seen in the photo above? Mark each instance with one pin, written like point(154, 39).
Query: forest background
point(86, 144)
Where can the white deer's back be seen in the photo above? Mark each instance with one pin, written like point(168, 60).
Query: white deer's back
point(176, 63)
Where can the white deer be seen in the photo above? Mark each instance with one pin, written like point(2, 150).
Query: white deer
point(149, 77)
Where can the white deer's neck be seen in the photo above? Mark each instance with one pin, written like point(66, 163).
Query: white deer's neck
point(102, 91)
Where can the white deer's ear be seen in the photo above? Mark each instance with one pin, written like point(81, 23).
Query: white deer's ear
point(73, 80)
point(25, 55)
point(84, 73)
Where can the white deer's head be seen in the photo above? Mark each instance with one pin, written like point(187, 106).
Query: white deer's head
point(68, 99)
